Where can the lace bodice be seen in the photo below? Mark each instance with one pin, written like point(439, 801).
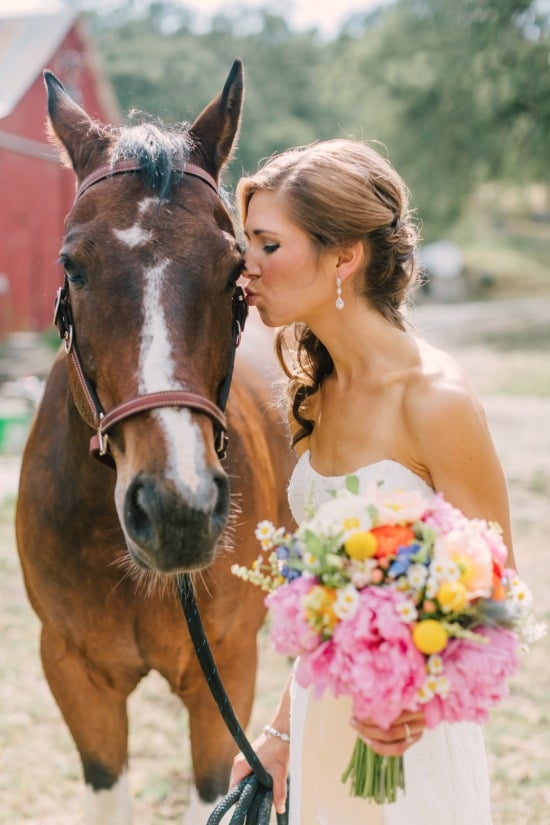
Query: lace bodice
point(308, 489)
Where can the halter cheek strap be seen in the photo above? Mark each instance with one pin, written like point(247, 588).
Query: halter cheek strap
point(103, 422)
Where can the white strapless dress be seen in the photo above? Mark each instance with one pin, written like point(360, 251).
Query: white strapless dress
point(445, 772)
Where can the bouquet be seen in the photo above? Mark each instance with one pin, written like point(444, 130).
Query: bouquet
point(400, 602)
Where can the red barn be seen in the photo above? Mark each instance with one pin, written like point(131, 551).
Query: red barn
point(35, 191)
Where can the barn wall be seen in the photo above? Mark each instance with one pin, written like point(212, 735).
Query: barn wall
point(36, 192)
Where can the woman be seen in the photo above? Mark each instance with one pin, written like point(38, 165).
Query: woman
point(330, 259)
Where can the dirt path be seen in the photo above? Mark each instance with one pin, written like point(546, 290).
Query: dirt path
point(505, 349)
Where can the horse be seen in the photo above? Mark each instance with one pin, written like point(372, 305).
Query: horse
point(149, 312)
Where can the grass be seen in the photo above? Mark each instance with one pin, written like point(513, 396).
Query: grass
point(505, 245)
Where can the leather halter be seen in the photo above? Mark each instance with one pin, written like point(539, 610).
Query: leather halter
point(104, 422)
point(132, 165)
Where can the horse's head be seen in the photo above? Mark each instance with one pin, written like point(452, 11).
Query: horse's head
point(151, 264)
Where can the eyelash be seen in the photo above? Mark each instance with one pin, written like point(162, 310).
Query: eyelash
point(269, 248)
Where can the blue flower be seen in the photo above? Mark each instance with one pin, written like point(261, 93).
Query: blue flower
point(403, 560)
point(289, 573)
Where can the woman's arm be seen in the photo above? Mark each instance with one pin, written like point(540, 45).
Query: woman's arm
point(451, 438)
point(273, 752)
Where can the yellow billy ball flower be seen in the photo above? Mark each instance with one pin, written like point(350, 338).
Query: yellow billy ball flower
point(429, 636)
point(452, 596)
point(361, 545)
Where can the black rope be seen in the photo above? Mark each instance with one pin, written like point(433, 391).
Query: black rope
point(253, 795)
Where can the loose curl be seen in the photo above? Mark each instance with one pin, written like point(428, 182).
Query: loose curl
point(340, 191)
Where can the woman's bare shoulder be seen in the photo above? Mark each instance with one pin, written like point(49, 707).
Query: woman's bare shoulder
point(436, 383)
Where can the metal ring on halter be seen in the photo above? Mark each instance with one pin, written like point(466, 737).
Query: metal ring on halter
point(408, 734)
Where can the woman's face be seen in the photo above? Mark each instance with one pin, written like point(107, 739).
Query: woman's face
point(290, 279)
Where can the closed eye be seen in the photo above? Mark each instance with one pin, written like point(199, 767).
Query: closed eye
point(75, 274)
point(269, 248)
point(236, 273)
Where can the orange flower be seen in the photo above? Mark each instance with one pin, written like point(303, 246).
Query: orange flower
point(499, 591)
point(391, 536)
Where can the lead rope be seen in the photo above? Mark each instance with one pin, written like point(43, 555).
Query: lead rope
point(252, 797)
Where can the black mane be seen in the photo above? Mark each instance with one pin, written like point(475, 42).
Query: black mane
point(158, 152)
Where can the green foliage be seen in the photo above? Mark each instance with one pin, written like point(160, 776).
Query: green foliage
point(457, 92)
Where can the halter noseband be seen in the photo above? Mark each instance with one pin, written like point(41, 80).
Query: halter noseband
point(104, 422)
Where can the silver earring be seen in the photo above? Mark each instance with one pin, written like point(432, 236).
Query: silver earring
point(339, 299)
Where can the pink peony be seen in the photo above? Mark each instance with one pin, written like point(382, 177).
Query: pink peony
point(477, 675)
point(371, 658)
point(314, 667)
point(443, 516)
point(290, 633)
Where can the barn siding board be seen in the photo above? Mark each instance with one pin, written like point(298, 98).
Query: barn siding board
point(36, 192)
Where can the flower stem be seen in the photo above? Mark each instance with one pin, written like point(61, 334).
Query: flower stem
point(373, 776)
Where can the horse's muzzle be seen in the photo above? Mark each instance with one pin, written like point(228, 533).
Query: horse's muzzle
point(169, 531)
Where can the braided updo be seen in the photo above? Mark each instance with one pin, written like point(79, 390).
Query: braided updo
point(340, 191)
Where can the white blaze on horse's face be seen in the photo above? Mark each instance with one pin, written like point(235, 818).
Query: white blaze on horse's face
point(185, 449)
point(136, 235)
point(186, 457)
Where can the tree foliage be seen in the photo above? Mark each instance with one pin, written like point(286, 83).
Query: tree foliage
point(456, 91)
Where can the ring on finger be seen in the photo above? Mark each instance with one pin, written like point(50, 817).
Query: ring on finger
point(408, 734)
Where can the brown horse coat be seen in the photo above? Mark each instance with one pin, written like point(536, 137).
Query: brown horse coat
point(151, 262)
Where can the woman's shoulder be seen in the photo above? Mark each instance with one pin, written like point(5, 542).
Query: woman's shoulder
point(438, 389)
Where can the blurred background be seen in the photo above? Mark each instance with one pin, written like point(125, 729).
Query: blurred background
point(456, 93)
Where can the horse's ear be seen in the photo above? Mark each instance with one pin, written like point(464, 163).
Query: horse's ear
point(215, 131)
point(80, 140)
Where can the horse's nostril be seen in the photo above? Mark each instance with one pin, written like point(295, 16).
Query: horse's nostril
point(221, 508)
point(137, 512)
point(168, 530)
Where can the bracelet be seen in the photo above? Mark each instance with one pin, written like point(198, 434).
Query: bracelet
point(276, 733)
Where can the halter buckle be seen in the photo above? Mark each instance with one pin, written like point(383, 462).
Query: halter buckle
point(102, 438)
point(220, 444)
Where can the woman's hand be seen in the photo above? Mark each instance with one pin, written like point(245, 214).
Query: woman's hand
point(402, 733)
point(274, 754)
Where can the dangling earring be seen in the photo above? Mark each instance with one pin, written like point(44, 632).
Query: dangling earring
point(339, 299)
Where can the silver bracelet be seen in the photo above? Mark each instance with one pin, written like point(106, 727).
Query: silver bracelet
point(276, 733)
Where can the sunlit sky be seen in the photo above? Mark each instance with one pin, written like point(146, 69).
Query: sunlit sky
point(326, 16)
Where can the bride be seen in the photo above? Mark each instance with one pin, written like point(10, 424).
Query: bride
point(330, 261)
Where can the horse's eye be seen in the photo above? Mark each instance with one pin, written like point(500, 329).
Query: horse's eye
point(236, 273)
point(75, 274)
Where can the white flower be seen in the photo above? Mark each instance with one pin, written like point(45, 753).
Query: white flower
point(432, 587)
point(265, 533)
point(335, 561)
point(435, 664)
point(443, 568)
point(361, 572)
point(344, 515)
point(407, 611)
point(397, 506)
point(425, 693)
point(417, 575)
point(442, 686)
point(519, 593)
point(310, 560)
point(347, 602)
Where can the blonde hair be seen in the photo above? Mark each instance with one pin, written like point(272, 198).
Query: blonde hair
point(340, 191)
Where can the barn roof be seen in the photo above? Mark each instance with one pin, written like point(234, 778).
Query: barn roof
point(27, 43)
